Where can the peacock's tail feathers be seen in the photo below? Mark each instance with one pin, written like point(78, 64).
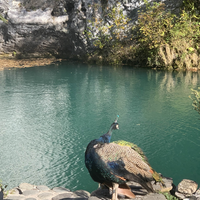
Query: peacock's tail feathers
point(122, 159)
point(134, 147)
point(157, 177)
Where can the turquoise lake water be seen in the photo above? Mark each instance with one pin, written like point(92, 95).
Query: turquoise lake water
point(49, 114)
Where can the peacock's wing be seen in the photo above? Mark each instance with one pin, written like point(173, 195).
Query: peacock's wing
point(124, 162)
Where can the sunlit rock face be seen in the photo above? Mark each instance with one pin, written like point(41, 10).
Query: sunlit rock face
point(53, 27)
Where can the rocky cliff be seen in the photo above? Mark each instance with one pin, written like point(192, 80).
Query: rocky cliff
point(53, 27)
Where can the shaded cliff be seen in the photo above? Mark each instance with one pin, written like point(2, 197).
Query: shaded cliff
point(53, 27)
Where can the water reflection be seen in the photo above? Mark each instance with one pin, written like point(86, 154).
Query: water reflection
point(49, 114)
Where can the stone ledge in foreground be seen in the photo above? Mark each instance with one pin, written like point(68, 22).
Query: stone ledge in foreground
point(186, 189)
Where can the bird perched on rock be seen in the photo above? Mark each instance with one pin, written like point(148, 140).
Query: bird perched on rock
point(113, 164)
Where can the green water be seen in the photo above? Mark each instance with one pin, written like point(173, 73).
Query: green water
point(49, 114)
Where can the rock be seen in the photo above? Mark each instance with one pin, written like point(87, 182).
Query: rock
point(93, 198)
point(30, 199)
point(187, 187)
point(26, 186)
point(18, 197)
point(154, 196)
point(30, 192)
point(45, 195)
point(15, 191)
point(197, 193)
point(157, 186)
point(62, 196)
point(101, 193)
point(60, 189)
point(179, 195)
point(82, 193)
point(43, 188)
point(191, 198)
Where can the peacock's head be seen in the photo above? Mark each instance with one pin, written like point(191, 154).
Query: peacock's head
point(115, 125)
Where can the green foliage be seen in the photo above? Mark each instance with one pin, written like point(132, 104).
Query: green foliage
point(111, 36)
point(196, 99)
point(168, 196)
point(3, 19)
point(160, 38)
point(154, 25)
point(167, 40)
point(153, 31)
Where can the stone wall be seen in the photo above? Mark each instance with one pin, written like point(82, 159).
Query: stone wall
point(53, 27)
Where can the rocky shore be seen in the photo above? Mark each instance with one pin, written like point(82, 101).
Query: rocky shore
point(8, 63)
point(186, 189)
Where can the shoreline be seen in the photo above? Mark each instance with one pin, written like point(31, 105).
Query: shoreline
point(8, 63)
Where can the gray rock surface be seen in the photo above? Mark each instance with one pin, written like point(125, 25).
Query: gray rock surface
point(54, 27)
point(62, 196)
point(187, 189)
point(81, 193)
point(32, 192)
point(26, 186)
point(1, 195)
point(43, 188)
point(42, 192)
point(154, 197)
point(60, 189)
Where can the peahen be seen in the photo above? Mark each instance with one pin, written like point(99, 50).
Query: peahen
point(113, 164)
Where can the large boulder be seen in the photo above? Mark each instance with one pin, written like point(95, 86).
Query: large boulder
point(186, 188)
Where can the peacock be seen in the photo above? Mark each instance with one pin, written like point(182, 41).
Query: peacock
point(114, 164)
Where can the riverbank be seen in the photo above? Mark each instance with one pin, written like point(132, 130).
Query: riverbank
point(8, 63)
point(186, 189)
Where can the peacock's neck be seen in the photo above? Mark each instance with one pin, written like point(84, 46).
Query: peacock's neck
point(106, 137)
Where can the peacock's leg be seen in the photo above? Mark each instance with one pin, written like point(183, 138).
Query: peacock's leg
point(115, 193)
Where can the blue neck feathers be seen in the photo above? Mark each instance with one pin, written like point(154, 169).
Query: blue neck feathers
point(106, 137)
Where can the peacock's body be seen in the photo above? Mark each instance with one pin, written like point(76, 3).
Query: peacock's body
point(113, 164)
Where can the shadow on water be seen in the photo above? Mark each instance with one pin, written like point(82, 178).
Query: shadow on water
point(49, 114)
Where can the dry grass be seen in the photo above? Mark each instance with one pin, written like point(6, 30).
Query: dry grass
point(6, 63)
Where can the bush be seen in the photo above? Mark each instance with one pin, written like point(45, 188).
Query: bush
point(153, 33)
point(160, 39)
point(166, 40)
